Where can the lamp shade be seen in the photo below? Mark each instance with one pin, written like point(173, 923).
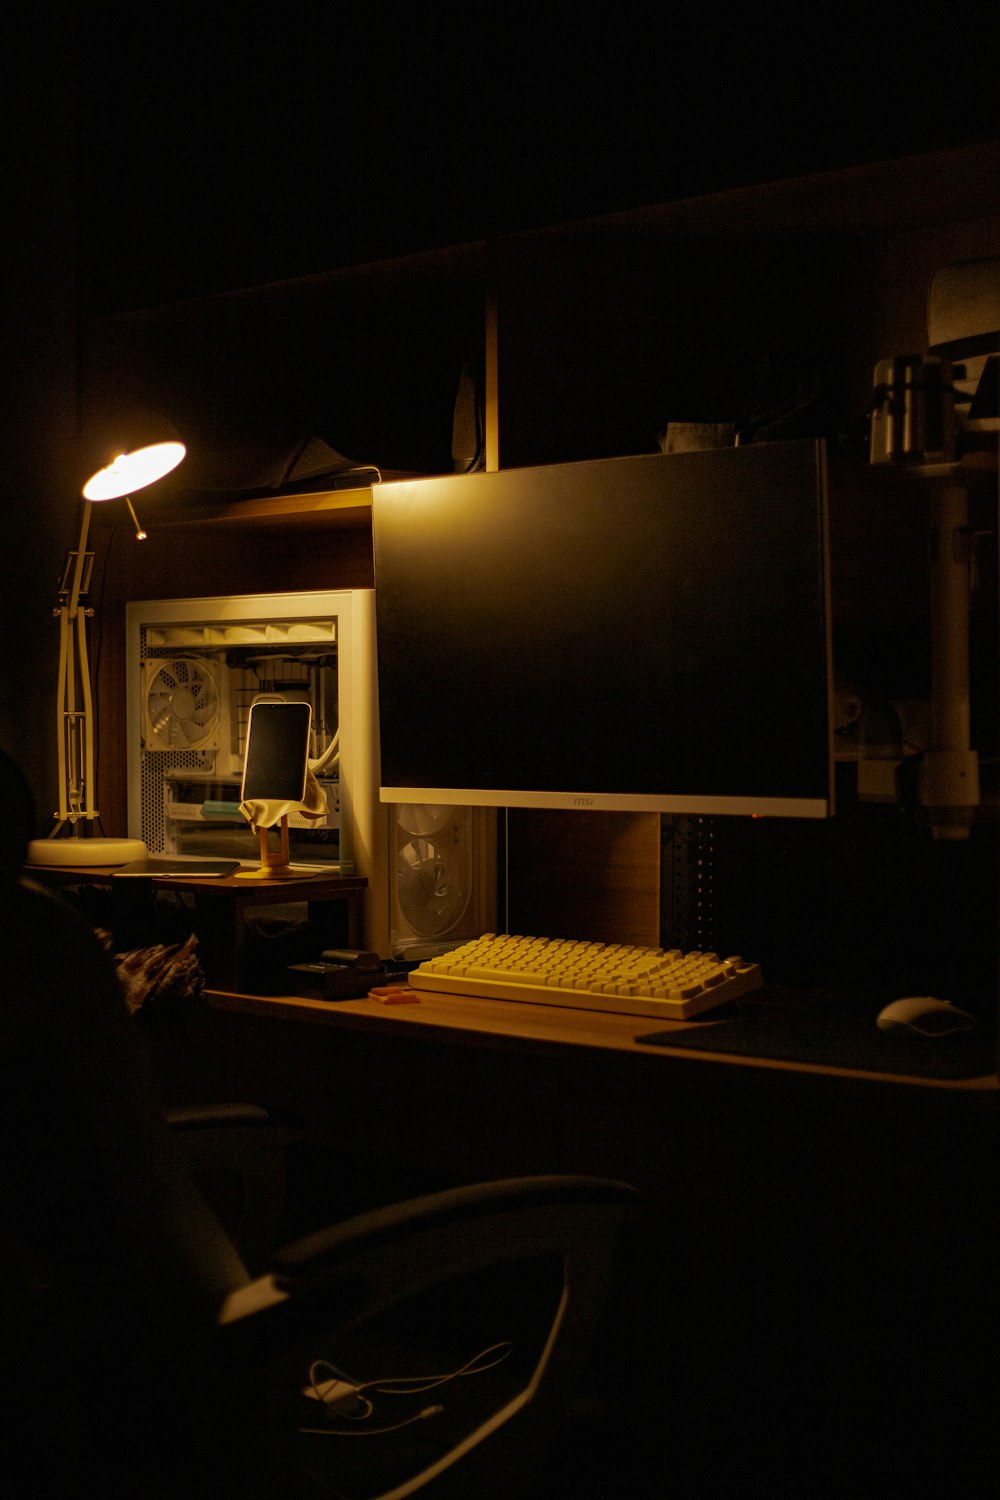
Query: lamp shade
point(137, 454)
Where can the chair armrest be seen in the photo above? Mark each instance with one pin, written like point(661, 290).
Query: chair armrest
point(531, 1204)
point(216, 1116)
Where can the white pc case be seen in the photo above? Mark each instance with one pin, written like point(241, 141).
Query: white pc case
point(194, 666)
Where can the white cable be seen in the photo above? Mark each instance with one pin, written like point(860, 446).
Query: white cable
point(323, 1376)
point(412, 1385)
point(420, 1416)
point(330, 756)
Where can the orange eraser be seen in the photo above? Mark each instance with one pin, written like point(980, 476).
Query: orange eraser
point(394, 995)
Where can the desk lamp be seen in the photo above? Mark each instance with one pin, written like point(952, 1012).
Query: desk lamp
point(130, 462)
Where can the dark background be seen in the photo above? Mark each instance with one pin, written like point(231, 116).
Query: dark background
point(155, 152)
point(167, 151)
point(222, 146)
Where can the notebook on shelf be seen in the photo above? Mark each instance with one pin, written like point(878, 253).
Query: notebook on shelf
point(190, 867)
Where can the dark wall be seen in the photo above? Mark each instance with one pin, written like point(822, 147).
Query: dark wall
point(37, 412)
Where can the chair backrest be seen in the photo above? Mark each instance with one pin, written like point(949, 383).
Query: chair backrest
point(502, 1283)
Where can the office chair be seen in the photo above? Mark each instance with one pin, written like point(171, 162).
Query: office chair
point(139, 1359)
point(449, 1332)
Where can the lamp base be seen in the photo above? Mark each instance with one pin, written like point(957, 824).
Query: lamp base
point(77, 851)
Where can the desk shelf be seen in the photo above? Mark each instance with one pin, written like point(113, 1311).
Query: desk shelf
point(220, 907)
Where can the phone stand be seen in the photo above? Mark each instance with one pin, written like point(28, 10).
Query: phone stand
point(274, 863)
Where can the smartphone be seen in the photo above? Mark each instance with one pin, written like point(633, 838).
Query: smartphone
point(277, 752)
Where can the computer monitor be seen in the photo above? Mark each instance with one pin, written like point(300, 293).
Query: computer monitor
point(647, 633)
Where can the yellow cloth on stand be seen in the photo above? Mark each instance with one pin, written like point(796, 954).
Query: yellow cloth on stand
point(265, 812)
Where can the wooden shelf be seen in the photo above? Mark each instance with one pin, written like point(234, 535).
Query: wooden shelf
point(351, 508)
point(341, 507)
point(219, 907)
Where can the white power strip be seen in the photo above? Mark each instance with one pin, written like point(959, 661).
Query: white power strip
point(336, 1395)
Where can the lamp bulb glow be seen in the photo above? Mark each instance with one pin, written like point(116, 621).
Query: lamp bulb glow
point(133, 471)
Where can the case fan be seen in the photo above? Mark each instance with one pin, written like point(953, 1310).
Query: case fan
point(181, 705)
point(432, 869)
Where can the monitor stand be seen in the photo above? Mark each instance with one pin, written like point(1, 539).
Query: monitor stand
point(274, 863)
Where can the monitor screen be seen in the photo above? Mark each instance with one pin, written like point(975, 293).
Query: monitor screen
point(637, 634)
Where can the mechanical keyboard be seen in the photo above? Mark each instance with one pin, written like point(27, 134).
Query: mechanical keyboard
point(589, 976)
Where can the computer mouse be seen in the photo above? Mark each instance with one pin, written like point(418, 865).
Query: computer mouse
point(924, 1014)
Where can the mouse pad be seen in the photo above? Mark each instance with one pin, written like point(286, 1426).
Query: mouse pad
point(839, 1035)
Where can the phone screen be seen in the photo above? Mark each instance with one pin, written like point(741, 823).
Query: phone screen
point(277, 753)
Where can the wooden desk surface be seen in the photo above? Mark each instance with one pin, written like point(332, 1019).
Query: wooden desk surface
point(482, 1022)
point(791, 1213)
point(732, 1147)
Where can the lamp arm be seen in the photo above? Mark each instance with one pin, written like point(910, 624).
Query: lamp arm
point(75, 729)
point(85, 718)
point(64, 709)
point(79, 559)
